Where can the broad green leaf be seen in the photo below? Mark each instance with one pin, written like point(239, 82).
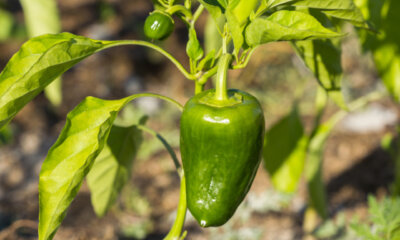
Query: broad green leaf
point(215, 8)
point(241, 9)
point(193, 48)
point(111, 169)
point(326, 4)
point(275, 3)
point(72, 156)
point(236, 30)
point(284, 152)
point(237, 14)
point(353, 16)
point(284, 26)
point(41, 17)
point(223, 3)
point(212, 35)
point(6, 23)
point(323, 58)
point(385, 46)
point(39, 61)
point(341, 9)
point(207, 62)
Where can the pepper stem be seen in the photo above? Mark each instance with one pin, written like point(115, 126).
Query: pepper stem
point(198, 88)
point(221, 93)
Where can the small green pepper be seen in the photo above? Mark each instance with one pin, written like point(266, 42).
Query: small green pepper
point(221, 151)
point(158, 25)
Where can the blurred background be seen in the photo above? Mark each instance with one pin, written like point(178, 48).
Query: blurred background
point(356, 160)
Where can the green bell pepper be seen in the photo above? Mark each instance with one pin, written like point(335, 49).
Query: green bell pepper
point(221, 146)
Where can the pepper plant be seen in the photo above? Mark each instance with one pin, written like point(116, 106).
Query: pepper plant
point(222, 130)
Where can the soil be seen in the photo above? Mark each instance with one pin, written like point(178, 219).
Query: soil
point(355, 165)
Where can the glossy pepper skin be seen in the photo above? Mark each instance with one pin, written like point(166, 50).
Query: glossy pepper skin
point(158, 25)
point(221, 151)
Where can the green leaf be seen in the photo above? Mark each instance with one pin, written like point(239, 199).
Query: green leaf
point(385, 45)
point(237, 15)
point(326, 4)
point(39, 61)
point(284, 152)
point(323, 58)
point(6, 135)
point(236, 30)
point(284, 26)
point(207, 62)
point(193, 48)
point(241, 9)
point(111, 169)
point(212, 35)
point(6, 23)
point(41, 17)
point(214, 7)
point(353, 16)
point(275, 3)
point(341, 9)
point(72, 156)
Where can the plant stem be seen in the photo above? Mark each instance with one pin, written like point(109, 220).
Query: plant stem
point(164, 142)
point(176, 230)
point(321, 101)
point(203, 79)
point(179, 8)
point(246, 60)
point(221, 88)
point(158, 49)
point(197, 14)
point(198, 87)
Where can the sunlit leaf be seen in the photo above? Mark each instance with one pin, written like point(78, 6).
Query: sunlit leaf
point(72, 156)
point(284, 152)
point(6, 23)
point(275, 3)
point(41, 17)
point(284, 26)
point(237, 15)
point(193, 47)
point(111, 169)
point(341, 9)
point(215, 8)
point(323, 58)
point(39, 61)
point(385, 45)
point(212, 35)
